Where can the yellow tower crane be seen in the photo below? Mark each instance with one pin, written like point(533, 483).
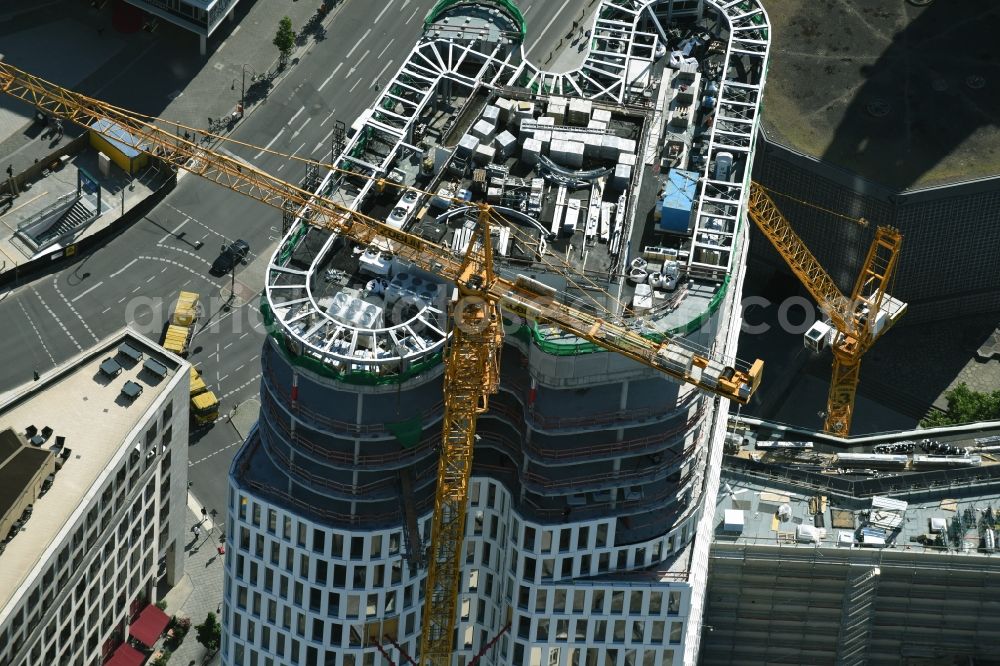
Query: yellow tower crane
point(472, 362)
point(858, 320)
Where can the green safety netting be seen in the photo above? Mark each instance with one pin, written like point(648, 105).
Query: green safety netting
point(408, 432)
point(506, 4)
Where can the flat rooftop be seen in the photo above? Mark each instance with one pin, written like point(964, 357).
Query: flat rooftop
point(905, 96)
point(89, 410)
point(762, 475)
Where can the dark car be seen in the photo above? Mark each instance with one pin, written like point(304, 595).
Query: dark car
point(232, 254)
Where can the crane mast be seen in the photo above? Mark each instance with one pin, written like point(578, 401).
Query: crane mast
point(472, 365)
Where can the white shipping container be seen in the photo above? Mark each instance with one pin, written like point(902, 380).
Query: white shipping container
point(484, 131)
point(603, 115)
point(505, 143)
point(531, 150)
point(484, 154)
point(467, 145)
point(491, 114)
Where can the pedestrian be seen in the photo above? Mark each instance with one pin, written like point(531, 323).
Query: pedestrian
point(10, 170)
point(197, 531)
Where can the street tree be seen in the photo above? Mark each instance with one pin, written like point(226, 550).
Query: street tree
point(965, 406)
point(210, 633)
point(284, 40)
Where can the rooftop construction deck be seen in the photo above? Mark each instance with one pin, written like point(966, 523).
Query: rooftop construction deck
point(935, 490)
point(575, 165)
point(904, 95)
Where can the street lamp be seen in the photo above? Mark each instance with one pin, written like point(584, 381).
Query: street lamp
point(243, 89)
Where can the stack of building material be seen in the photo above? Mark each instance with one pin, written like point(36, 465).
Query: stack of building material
point(530, 151)
point(484, 154)
point(567, 153)
point(601, 115)
point(556, 110)
point(493, 195)
point(627, 158)
point(597, 124)
point(491, 114)
point(506, 110)
point(467, 146)
point(524, 110)
point(623, 173)
point(609, 147)
point(578, 112)
point(505, 143)
point(484, 131)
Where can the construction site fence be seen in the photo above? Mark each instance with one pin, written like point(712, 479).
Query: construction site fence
point(913, 485)
point(336, 426)
point(509, 6)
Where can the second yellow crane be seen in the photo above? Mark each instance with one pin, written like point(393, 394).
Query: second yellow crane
point(858, 320)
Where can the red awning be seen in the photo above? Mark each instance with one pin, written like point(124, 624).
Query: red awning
point(149, 625)
point(126, 655)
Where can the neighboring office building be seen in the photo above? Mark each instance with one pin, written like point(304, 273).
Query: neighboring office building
point(894, 566)
point(588, 530)
point(103, 477)
point(201, 17)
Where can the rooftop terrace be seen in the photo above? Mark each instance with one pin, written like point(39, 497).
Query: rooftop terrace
point(88, 408)
point(934, 490)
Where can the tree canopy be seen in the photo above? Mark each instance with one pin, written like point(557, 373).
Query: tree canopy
point(965, 406)
point(284, 39)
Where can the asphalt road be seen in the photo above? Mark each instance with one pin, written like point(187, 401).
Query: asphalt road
point(136, 276)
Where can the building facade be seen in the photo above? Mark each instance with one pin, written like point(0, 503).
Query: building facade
point(201, 17)
point(588, 532)
point(107, 524)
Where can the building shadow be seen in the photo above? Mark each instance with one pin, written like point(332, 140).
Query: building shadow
point(924, 98)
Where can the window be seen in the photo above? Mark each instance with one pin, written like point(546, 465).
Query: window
point(319, 541)
point(272, 521)
point(168, 412)
point(676, 628)
point(357, 547)
point(529, 538)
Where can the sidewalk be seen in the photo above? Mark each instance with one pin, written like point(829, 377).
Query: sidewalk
point(199, 591)
point(188, 88)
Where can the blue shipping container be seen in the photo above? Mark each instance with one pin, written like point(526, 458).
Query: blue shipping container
point(678, 202)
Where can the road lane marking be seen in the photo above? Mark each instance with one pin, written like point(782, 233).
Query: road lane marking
point(382, 52)
point(548, 25)
point(172, 233)
point(332, 74)
point(151, 278)
point(270, 143)
point(55, 285)
point(106, 310)
point(332, 111)
point(244, 335)
point(298, 149)
point(292, 119)
point(379, 76)
point(123, 268)
point(227, 346)
point(58, 320)
point(84, 293)
point(384, 10)
point(38, 334)
point(351, 89)
point(240, 367)
point(241, 386)
point(356, 45)
point(299, 130)
point(411, 17)
point(224, 448)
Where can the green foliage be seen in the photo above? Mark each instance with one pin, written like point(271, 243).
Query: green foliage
point(284, 39)
point(163, 659)
point(210, 633)
point(965, 406)
point(161, 604)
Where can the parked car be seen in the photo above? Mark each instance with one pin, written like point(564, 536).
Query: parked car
point(232, 254)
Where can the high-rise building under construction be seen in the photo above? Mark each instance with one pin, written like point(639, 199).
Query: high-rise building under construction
point(588, 529)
